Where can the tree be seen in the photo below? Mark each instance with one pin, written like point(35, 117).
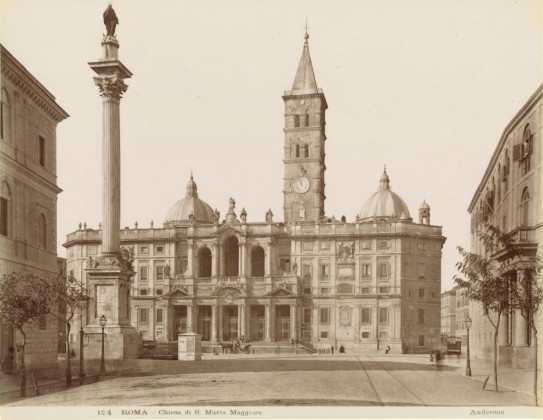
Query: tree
point(485, 282)
point(507, 276)
point(71, 295)
point(23, 301)
point(526, 293)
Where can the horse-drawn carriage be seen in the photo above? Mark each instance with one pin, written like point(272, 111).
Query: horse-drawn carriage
point(235, 347)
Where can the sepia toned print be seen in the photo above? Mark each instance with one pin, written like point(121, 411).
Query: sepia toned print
point(284, 280)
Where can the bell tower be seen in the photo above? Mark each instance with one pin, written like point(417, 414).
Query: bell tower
point(305, 107)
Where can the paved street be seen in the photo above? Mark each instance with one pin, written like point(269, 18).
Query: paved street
point(305, 380)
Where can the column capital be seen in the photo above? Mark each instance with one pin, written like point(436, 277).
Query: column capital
point(110, 86)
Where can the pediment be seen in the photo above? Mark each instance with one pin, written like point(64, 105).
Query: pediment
point(226, 230)
point(280, 292)
point(228, 292)
point(176, 293)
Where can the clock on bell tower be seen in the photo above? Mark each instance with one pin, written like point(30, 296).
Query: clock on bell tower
point(305, 107)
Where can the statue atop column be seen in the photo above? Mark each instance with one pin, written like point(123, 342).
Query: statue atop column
point(110, 20)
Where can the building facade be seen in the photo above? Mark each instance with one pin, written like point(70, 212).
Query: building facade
point(448, 313)
point(28, 196)
point(368, 284)
point(510, 197)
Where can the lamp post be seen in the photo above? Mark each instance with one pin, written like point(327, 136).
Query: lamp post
point(81, 363)
point(431, 347)
point(468, 367)
point(103, 322)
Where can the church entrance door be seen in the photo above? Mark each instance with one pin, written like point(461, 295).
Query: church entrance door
point(179, 320)
point(204, 322)
point(282, 322)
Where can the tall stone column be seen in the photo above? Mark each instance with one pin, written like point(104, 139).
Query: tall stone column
point(109, 275)
point(243, 260)
point(214, 259)
point(221, 322)
point(241, 319)
point(293, 322)
point(221, 261)
point(189, 319)
point(190, 258)
point(267, 315)
point(267, 259)
point(214, 323)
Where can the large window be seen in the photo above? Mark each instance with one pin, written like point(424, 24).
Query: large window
point(231, 256)
point(41, 146)
point(366, 270)
point(204, 262)
point(365, 316)
point(324, 271)
point(257, 261)
point(5, 211)
point(160, 315)
point(144, 273)
point(42, 240)
point(384, 270)
point(505, 170)
point(525, 208)
point(5, 117)
point(526, 150)
point(421, 316)
point(325, 316)
point(159, 273)
point(144, 315)
point(383, 315)
point(307, 315)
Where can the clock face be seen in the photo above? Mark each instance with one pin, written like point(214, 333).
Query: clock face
point(301, 184)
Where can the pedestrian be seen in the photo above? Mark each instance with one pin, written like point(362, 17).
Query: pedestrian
point(242, 338)
point(7, 366)
point(292, 342)
point(387, 350)
point(341, 349)
point(332, 349)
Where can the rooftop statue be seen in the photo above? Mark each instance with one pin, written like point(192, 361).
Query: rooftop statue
point(110, 20)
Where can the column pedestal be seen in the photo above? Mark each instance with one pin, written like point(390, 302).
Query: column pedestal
point(108, 279)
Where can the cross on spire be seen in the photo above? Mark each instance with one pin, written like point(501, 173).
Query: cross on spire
point(306, 27)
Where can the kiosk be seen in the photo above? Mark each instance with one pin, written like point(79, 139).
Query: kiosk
point(189, 346)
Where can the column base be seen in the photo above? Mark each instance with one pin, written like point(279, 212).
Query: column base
point(120, 342)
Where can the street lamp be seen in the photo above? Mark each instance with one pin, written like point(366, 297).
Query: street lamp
point(81, 339)
point(103, 322)
point(431, 347)
point(468, 367)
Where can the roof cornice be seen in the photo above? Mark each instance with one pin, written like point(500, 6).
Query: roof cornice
point(531, 103)
point(14, 71)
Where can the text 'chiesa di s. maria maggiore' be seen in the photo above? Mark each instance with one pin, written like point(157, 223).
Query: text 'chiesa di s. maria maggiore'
point(364, 285)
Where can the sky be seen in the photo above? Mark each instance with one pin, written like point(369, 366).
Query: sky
point(423, 86)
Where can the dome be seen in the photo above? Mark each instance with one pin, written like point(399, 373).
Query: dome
point(384, 203)
point(191, 204)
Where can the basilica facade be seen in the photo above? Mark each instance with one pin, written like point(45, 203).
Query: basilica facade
point(367, 285)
